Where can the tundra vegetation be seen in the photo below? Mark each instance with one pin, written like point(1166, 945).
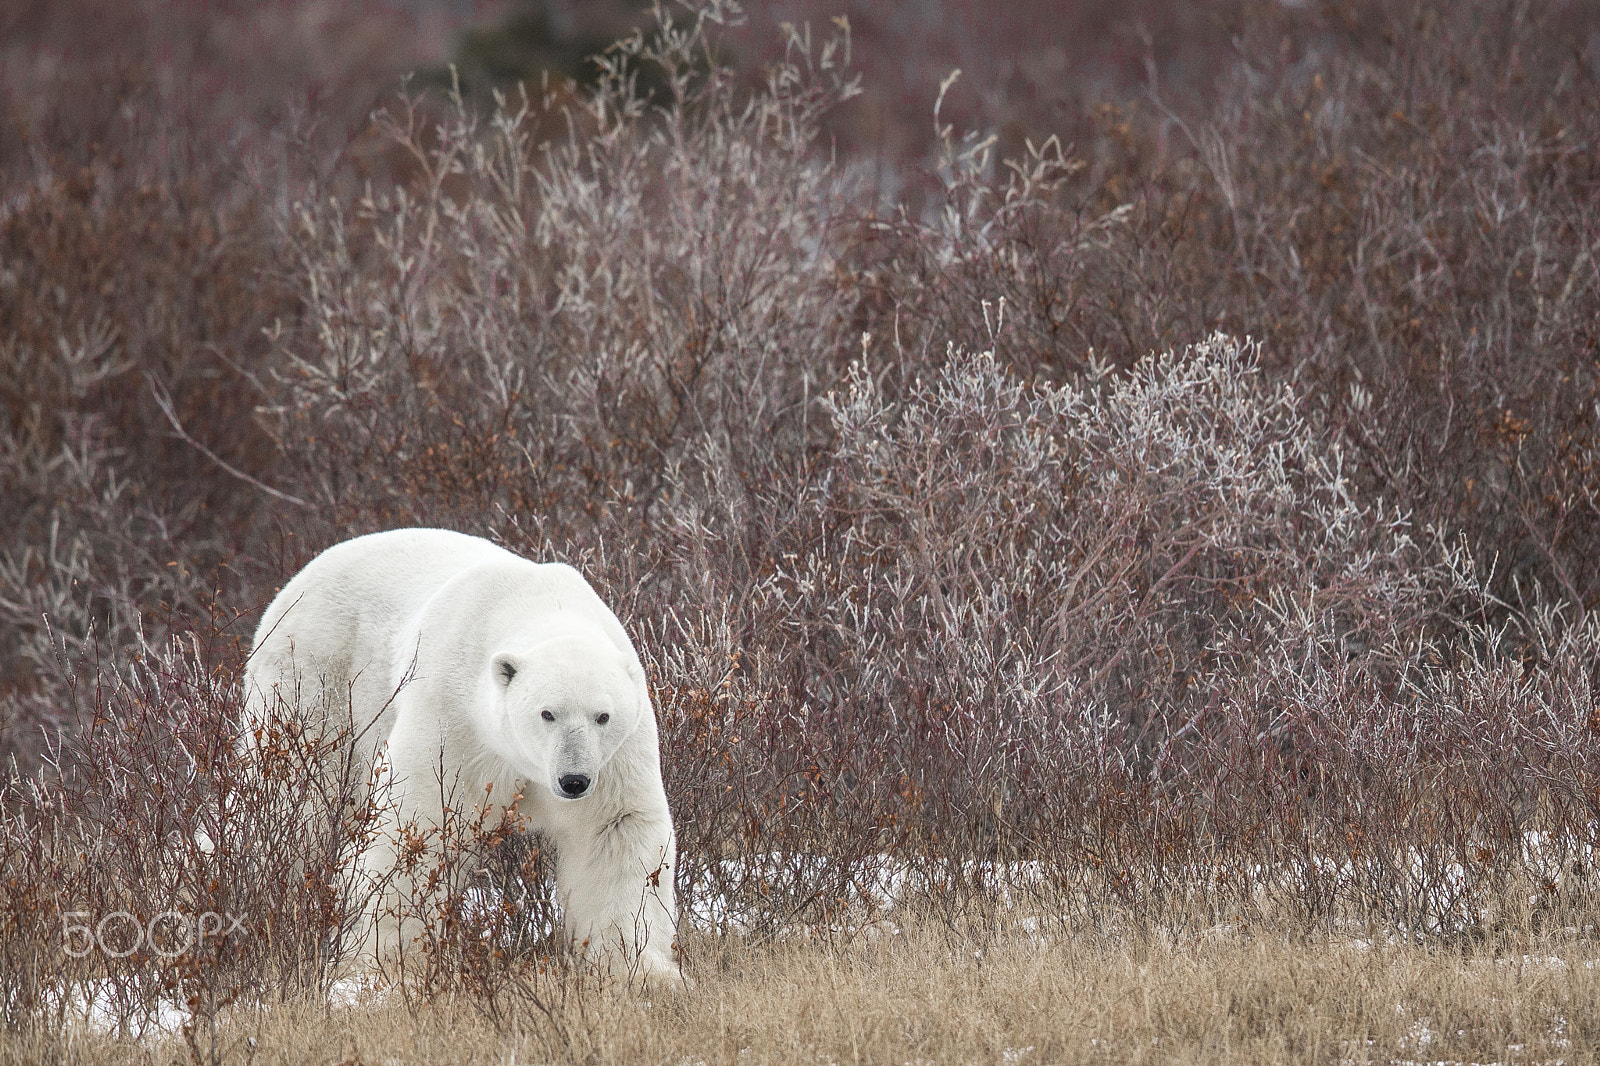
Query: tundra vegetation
point(1127, 593)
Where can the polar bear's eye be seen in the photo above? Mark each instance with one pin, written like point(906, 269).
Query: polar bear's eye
point(547, 716)
point(602, 719)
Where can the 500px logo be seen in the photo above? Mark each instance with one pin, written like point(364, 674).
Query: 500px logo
point(120, 934)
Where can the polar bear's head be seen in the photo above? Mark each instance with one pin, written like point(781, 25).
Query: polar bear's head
point(568, 705)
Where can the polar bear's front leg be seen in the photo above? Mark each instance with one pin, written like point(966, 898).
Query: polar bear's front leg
point(400, 868)
point(390, 870)
point(617, 897)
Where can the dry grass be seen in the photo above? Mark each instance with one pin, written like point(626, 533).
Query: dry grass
point(934, 995)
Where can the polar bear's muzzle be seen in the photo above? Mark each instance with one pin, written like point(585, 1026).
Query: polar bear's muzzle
point(576, 764)
point(574, 786)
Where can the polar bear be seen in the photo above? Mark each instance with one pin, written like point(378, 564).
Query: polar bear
point(472, 672)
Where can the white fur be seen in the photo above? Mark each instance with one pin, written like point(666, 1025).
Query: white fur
point(454, 650)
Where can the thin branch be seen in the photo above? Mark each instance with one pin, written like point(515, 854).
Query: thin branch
point(164, 402)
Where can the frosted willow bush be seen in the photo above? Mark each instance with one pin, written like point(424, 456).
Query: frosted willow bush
point(1144, 628)
point(1175, 509)
point(1141, 630)
point(575, 310)
point(910, 605)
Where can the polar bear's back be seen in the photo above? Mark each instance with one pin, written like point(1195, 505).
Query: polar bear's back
point(354, 590)
point(335, 622)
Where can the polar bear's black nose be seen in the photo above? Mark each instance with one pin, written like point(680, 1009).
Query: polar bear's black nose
point(574, 785)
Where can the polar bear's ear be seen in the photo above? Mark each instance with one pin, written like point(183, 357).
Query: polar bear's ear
point(505, 669)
